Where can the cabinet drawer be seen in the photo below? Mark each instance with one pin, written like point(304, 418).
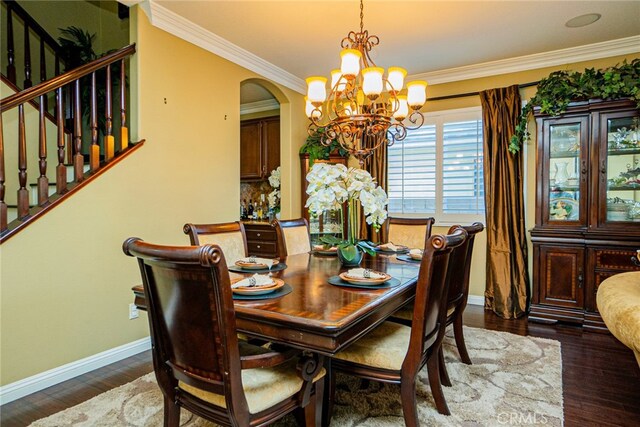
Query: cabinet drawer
point(266, 235)
point(267, 249)
point(614, 259)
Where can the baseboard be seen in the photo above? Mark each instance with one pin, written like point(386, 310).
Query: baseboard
point(18, 389)
point(475, 300)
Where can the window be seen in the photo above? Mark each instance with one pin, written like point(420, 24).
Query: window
point(437, 169)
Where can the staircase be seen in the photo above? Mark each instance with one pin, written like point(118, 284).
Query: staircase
point(52, 142)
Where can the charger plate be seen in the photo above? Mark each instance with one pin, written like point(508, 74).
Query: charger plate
point(390, 283)
point(286, 289)
point(408, 258)
point(238, 269)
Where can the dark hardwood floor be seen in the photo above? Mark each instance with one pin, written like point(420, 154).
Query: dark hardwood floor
point(600, 376)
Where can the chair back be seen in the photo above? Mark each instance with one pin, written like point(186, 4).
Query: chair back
point(230, 236)
point(191, 318)
point(410, 232)
point(292, 236)
point(429, 312)
point(458, 277)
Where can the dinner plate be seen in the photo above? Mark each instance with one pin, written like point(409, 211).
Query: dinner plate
point(325, 252)
point(254, 265)
point(400, 249)
point(364, 281)
point(257, 290)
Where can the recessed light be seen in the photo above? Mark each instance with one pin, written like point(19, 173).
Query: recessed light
point(583, 20)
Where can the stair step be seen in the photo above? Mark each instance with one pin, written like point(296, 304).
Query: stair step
point(70, 173)
point(12, 213)
point(33, 197)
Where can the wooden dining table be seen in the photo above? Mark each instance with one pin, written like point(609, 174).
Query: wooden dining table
point(318, 316)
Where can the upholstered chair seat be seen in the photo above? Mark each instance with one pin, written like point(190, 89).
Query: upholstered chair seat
point(406, 313)
point(263, 387)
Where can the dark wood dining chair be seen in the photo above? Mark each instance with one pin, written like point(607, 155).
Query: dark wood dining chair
point(409, 232)
point(198, 361)
point(230, 236)
point(292, 236)
point(395, 353)
point(458, 293)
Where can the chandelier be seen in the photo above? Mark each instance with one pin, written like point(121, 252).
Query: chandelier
point(358, 112)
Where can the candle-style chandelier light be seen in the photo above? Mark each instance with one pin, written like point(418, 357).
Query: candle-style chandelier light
point(358, 112)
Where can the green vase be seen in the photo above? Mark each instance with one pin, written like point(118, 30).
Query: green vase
point(354, 262)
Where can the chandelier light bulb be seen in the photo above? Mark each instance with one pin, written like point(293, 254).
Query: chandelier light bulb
point(372, 82)
point(316, 90)
point(416, 94)
point(395, 79)
point(350, 65)
point(347, 109)
point(336, 76)
point(399, 107)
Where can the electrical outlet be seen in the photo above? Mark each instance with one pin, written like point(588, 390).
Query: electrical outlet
point(133, 311)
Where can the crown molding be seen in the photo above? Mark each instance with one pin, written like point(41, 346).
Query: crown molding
point(531, 62)
point(259, 106)
point(175, 24)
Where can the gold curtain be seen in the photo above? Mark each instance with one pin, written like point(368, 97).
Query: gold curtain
point(507, 290)
point(376, 165)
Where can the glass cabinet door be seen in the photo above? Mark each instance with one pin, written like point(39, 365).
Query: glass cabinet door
point(565, 175)
point(619, 168)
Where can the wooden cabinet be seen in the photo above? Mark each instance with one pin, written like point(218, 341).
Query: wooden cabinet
point(587, 208)
point(261, 239)
point(259, 148)
point(329, 223)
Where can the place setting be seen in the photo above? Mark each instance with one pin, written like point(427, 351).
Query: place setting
point(391, 249)
point(414, 255)
point(364, 278)
point(259, 287)
point(257, 265)
point(325, 250)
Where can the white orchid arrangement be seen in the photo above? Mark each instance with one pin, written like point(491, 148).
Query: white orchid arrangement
point(274, 197)
point(332, 185)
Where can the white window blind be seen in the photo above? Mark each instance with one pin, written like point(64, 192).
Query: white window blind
point(437, 169)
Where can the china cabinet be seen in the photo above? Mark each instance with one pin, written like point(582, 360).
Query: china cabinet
point(259, 148)
point(587, 207)
point(330, 222)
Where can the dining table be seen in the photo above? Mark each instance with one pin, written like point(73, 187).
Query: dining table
point(317, 315)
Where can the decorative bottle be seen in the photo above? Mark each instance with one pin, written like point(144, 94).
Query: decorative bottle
point(250, 210)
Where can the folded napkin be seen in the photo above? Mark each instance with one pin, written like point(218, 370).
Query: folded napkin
point(388, 247)
point(415, 253)
point(255, 281)
point(364, 273)
point(256, 260)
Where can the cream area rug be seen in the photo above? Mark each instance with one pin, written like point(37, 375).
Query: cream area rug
point(514, 380)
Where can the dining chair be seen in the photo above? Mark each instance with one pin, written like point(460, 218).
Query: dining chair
point(230, 236)
point(198, 361)
point(395, 353)
point(409, 232)
point(458, 293)
point(292, 236)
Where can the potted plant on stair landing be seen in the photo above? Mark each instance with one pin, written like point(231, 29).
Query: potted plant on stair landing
point(330, 186)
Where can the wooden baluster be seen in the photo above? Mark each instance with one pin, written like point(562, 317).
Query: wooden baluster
point(23, 194)
point(109, 141)
point(61, 170)
point(43, 73)
point(124, 131)
point(94, 154)
point(11, 58)
point(3, 205)
point(27, 58)
point(43, 181)
point(78, 160)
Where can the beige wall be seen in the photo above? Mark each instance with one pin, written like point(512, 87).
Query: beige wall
point(65, 282)
point(478, 270)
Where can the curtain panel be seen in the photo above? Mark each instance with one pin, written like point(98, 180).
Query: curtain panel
point(376, 165)
point(507, 287)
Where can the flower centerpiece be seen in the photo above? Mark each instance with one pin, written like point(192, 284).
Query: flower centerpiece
point(274, 197)
point(330, 186)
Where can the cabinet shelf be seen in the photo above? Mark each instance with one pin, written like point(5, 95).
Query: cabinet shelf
point(623, 152)
point(624, 187)
point(564, 154)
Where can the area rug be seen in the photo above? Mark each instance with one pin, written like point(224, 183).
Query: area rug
point(514, 380)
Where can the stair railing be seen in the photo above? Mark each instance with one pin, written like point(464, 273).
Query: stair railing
point(71, 79)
